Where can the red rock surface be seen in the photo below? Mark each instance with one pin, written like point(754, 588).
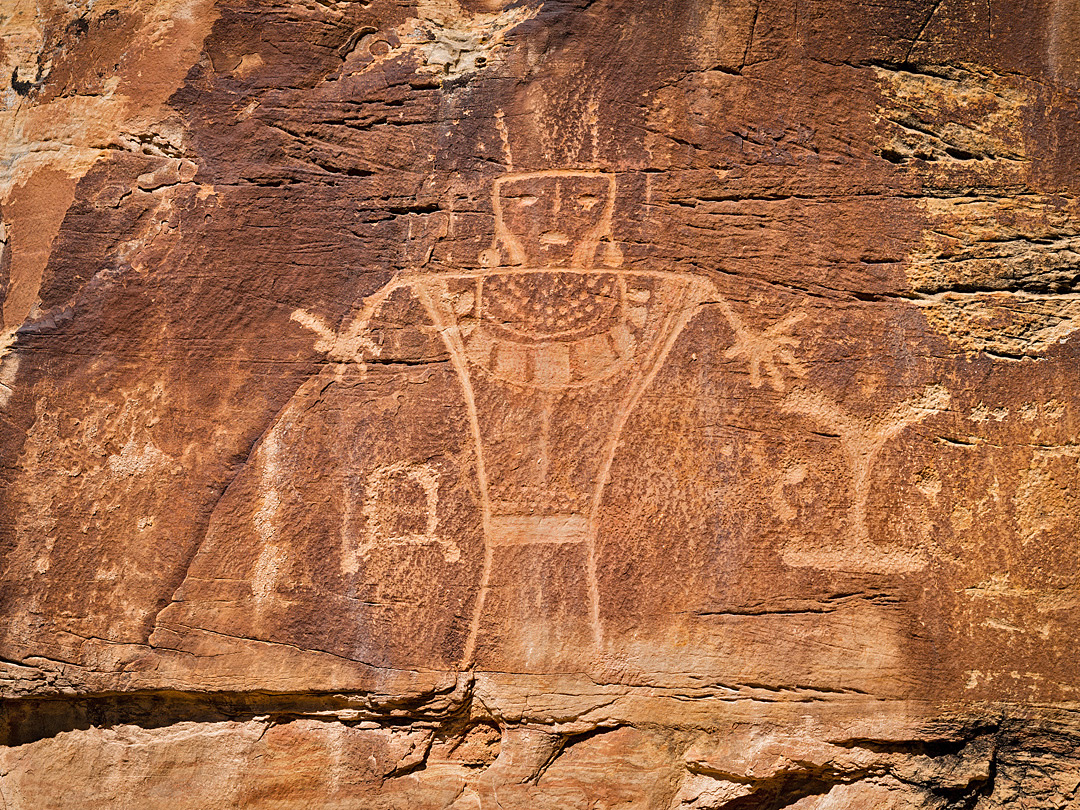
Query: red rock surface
point(539, 405)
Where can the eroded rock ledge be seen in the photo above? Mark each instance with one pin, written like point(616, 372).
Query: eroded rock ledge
point(453, 749)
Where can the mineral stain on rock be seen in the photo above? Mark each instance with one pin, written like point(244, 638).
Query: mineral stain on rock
point(553, 404)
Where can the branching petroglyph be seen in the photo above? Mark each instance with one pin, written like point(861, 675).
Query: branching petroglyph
point(862, 439)
point(343, 347)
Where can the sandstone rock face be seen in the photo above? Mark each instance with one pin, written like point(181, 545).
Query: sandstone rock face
point(542, 404)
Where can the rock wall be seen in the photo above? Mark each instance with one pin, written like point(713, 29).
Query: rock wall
point(544, 404)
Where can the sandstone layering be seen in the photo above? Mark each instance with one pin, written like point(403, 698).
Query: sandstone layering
point(555, 404)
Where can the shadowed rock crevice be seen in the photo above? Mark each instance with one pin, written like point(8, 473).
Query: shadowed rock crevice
point(29, 720)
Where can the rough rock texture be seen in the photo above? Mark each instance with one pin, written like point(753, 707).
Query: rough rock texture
point(545, 404)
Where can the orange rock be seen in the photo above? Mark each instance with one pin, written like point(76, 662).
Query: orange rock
point(539, 405)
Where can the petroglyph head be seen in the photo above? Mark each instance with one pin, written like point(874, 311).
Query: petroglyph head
point(553, 219)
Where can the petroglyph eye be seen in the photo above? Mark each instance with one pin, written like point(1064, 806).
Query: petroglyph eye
point(526, 200)
point(588, 201)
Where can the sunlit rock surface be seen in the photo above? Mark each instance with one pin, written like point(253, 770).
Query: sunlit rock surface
point(539, 405)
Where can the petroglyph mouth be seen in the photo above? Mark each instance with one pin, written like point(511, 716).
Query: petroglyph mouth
point(554, 238)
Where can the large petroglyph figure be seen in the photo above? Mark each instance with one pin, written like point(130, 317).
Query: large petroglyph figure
point(478, 446)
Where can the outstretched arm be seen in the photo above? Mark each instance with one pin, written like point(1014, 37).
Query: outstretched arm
point(349, 344)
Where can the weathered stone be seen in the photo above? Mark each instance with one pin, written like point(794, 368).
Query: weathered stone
point(547, 404)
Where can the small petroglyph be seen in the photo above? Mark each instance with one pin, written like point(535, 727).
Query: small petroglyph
point(137, 458)
point(983, 413)
point(1053, 410)
point(401, 509)
point(862, 440)
point(342, 347)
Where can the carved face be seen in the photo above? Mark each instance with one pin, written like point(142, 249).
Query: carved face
point(553, 220)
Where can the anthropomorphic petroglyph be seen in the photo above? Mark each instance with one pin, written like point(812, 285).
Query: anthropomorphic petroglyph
point(554, 344)
point(862, 439)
